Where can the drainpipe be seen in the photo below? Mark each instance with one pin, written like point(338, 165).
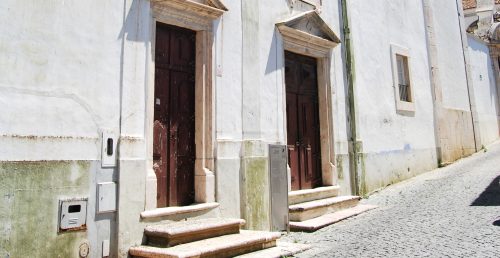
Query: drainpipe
point(349, 66)
point(470, 89)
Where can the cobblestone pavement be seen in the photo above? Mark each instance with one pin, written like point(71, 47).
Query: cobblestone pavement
point(449, 212)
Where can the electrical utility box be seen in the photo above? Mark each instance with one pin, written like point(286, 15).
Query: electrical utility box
point(278, 180)
point(72, 214)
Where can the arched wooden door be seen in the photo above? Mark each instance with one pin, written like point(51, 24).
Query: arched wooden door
point(174, 125)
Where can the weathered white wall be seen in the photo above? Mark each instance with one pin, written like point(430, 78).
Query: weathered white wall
point(452, 76)
point(229, 109)
point(60, 65)
point(453, 93)
point(394, 146)
point(60, 83)
point(72, 69)
point(331, 13)
point(485, 89)
point(250, 101)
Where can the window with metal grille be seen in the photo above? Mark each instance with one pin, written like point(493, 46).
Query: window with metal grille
point(403, 81)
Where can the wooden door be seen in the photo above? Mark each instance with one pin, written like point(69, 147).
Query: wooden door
point(302, 121)
point(174, 148)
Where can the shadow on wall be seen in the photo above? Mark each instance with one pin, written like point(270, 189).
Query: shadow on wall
point(134, 28)
point(272, 58)
point(490, 196)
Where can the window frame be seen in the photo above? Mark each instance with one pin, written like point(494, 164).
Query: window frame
point(402, 106)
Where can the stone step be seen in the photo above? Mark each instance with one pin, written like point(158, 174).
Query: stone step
point(282, 249)
point(307, 195)
point(167, 235)
point(223, 246)
point(313, 209)
point(328, 219)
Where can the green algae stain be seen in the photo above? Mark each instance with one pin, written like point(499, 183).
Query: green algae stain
point(30, 193)
point(363, 190)
point(340, 167)
point(256, 193)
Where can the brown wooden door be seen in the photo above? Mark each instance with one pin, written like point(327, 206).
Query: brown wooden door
point(302, 121)
point(174, 149)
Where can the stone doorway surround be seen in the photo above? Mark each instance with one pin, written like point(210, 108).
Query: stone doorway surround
point(196, 15)
point(307, 34)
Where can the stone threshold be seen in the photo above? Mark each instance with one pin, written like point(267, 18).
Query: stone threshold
point(306, 195)
point(322, 203)
point(282, 249)
point(222, 246)
point(330, 218)
point(169, 211)
point(313, 190)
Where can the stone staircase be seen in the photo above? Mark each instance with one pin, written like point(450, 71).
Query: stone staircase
point(312, 209)
point(203, 238)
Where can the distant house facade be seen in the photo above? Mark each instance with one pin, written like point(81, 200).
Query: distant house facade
point(153, 111)
point(482, 22)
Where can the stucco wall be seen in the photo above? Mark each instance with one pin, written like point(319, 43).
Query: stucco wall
point(250, 102)
point(452, 77)
point(454, 116)
point(395, 146)
point(60, 86)
point(485, 89)
point(72, 69)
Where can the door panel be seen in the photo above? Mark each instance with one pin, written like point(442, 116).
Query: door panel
point(292, 142)
point(302, 121)
point(182, 139)
point(160, 137)
point(174, 150)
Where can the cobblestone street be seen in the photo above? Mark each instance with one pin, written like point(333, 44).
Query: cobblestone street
point(449, 212)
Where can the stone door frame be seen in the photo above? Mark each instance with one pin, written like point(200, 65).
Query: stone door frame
point(307, 44)
point(199, 18)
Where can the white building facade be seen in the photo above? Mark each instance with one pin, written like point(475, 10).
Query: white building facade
point(362, 94)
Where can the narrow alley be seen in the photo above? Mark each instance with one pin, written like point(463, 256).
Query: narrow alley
point(449, 212)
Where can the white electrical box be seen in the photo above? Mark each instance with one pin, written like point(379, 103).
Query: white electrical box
point(108, 151)
point(105, 248)
point(73, 214)
point(106, 194)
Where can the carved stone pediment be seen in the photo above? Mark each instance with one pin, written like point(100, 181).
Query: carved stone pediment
point(308, 29)
point(310, 23)
point(196, 4)
point(217, 4)
point(193, 14)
